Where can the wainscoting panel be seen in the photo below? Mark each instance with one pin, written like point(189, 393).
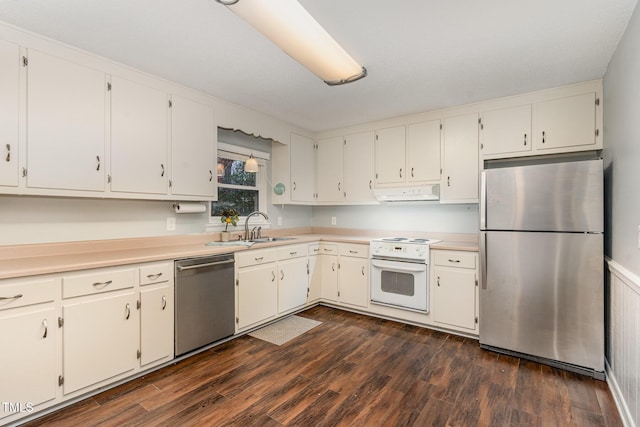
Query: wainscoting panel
point(623, 350)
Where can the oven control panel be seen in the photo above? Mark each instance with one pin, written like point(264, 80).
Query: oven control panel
point(400, 249)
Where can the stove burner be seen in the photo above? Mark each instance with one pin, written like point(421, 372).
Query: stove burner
point(419, 240)
point(394, 239)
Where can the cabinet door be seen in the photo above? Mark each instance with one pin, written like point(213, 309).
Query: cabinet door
point(302, 168)
point(330, 186)
point(315, 279)
point(454, 299)
point(28, 357)
point(359, 166)
point(566, 122)
point(460, 178)
point(65, 124)
point(390, 155)
point(257, 295)
point(138, 138)
point(9, 110)
point(506, 131)
point(329, 273)
point(353, 281)
point(100, 339)
point(156, 323)
point(423, 152)
point(193, 148)
point(293, 282)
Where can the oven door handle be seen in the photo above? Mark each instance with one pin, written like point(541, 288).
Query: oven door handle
point(398, 266)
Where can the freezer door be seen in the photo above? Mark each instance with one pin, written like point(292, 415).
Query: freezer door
point(542, 295)
point(546, 197)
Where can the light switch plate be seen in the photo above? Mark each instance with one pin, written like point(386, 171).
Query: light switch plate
point(279, 220)
point(171, 224)
point(334, 220)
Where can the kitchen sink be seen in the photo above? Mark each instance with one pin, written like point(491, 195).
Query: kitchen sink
point(271, 239)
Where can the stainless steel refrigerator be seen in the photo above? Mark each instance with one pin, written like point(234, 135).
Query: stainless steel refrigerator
point(542, 263)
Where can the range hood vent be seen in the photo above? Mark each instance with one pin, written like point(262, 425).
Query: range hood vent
point(408, 194)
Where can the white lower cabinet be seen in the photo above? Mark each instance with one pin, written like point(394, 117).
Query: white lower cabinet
point(353, 275)
point(293, 278)
point(454, 285)
point(29, 356)
point(328, 261)
point(315, 274)
point(256, 287)
point(156, 313)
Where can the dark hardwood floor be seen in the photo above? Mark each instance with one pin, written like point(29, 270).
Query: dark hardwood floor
point(351, 370)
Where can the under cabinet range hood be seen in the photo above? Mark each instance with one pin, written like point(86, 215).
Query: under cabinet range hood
point(408, 194)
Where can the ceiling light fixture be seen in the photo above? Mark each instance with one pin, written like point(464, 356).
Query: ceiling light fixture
point(251, 164)
point(287, 24)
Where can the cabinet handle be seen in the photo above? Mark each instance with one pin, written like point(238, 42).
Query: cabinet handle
point(13, 297)
point(154, 276)
point(294, 186)
point(273, 276)
point(46, 330)
point(411, 172)
point(281, 274)
point(98, 160)
point(370, 184)
point(438, 281)
point(164, 302)
point(259, 258)
point(448, 181)
point(400, 172)
point(454, 260)
point(103, 284)
point(339, 187)
point(128, 309)
point(525, 139)
point(352, 251)
point(210, 175)
point(543, 137)
point(293, 253)
point(327, 250)
point(162, 166)
point(333, 267)
point(8, 158)
point(363, 270)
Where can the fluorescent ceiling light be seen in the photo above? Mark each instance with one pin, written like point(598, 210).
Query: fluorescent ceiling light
point(287, 24)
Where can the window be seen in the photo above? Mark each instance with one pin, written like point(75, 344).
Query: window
point(237, 189)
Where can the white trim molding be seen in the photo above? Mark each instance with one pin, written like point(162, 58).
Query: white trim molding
point(623, 349)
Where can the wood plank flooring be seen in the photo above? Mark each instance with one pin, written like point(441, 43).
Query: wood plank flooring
point(351, 370)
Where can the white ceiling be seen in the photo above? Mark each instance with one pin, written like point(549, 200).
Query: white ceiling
point(420, 54)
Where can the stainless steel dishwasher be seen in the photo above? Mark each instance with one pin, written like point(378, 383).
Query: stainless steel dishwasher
point(204, 301)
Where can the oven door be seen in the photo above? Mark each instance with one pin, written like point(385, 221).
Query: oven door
point(400, 283)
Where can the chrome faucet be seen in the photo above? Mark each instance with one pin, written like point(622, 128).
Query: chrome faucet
point(246, 223)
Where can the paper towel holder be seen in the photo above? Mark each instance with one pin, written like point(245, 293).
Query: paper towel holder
point(188, 207)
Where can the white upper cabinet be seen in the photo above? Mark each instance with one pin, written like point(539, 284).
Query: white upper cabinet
point(359, 166)
point(565, 123)
point(65, 124)
point(423, 152)
point(139, 138)
point(193, 148)
point(9, 107)
point(330, 184)
point(506, 131)
point(390, 155)
point(302, 157)
point(460, 164)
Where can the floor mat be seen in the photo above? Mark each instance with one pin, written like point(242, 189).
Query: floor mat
point(285, 330)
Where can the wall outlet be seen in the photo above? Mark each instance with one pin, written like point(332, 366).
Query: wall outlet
point(171, 224)
point(279, 220)
point(334, 220)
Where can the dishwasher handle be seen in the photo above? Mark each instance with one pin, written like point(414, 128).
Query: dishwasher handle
point(206, 264)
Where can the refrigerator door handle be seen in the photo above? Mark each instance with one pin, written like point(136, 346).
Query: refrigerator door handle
point(483, 259)
point(483, 200)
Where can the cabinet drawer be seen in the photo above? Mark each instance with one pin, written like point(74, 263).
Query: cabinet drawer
point(155, 273)
point(328, 249)
point(314, 249)
point(292, 251)
point(354, 250)
point(14, 294)
point(247, 258)
point(455, 259)
point(97, 282)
